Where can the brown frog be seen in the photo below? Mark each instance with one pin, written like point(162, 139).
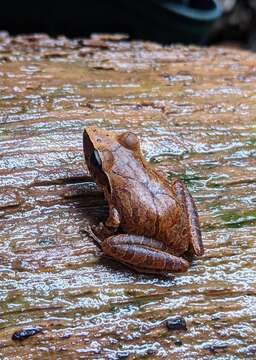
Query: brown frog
point(152, 222)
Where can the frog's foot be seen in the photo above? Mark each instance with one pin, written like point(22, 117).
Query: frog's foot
point(98, 229)
point(143, 254)
point(102, 231)
point(186, 199)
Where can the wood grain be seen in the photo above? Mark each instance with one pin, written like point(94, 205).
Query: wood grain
point(194, 109)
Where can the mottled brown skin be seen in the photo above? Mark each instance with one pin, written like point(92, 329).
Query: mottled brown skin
point(156, 220)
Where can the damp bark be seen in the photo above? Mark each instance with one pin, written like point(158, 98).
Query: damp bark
point(194, 111)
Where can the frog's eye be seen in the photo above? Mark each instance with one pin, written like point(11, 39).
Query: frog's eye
point(129, 140)
point(95, 160)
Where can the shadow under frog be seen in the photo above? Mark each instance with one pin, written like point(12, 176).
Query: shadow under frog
point(151, 222)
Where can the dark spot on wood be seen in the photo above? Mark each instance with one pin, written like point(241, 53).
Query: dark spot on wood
point(123, 354)
point(151, 352)
point(25, 333)
point(215, 347)
point(178, 342)
point(176, 323)
point(65, 336)
point(46, 241)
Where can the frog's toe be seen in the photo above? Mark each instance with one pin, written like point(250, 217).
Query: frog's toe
point(90, 231)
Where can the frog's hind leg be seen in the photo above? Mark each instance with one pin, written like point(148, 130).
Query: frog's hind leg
point(186, 200)
point(143, 254)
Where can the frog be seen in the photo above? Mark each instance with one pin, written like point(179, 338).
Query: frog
point(152, 224)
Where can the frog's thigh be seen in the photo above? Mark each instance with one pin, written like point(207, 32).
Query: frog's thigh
point(142, 253)
point(185, 198)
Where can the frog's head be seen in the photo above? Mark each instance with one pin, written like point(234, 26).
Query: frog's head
point(105, 151)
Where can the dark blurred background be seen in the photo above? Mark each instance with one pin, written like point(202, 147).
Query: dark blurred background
point(184, 21)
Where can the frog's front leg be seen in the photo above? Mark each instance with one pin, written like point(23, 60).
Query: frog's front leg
point(109, 227)
point(143, 254)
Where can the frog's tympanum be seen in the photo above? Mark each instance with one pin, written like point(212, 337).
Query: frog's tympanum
point(152, 223)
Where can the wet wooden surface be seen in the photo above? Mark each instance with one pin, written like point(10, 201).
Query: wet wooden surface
point(194, 110)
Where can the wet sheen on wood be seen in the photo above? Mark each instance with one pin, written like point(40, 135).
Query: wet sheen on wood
point(194, 111)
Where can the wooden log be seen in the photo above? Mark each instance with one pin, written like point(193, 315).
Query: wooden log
point(194, 110)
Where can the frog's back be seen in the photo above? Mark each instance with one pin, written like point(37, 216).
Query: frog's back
point(147, 206)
